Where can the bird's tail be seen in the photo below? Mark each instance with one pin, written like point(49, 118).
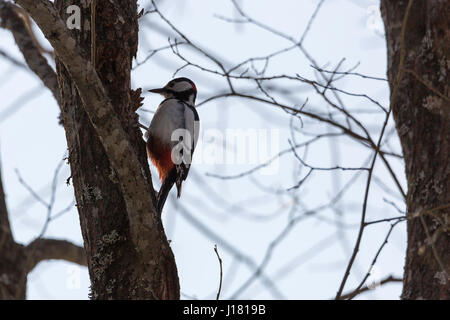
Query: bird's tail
point(165, 189)
point(182, 171)
point(178, 183)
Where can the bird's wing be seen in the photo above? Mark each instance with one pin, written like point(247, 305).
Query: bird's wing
point(168, 117)
point(192, 124)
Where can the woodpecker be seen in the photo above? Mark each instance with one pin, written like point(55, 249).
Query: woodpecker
point(174, 130)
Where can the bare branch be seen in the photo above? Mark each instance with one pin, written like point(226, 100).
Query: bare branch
point(366, 195)
point(5, 227)
point(268, 162)
point(221, 272)
point(152, 53)
point(20, 101)
point(32, 53)
point(367, 288)
point(48, 249)
point(209, 56)
point(322, 168)
point(349, 73)
point(310, 22)
point(236, 252)
point(31, 190)
point(358, 288)
point(13, 60)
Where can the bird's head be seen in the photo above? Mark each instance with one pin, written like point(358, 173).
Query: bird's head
point(180, 88)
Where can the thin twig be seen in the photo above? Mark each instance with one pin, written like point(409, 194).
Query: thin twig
point(392, 105)
point(354, 293)
point(358, 288)
point(221, 272)
point(350, 73)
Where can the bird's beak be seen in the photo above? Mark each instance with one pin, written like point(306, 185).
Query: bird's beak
point(160, 91)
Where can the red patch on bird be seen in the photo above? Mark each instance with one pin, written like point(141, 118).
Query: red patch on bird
point(161, 156)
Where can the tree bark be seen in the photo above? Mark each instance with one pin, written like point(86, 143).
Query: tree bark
point(12, 257)
point(17, 260)
point(11, 20)
point(122, 264)
point(421, 112)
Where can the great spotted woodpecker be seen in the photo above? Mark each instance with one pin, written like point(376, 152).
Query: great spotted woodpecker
point(174, 131)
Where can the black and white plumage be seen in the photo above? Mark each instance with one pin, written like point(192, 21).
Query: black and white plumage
point(174, 131)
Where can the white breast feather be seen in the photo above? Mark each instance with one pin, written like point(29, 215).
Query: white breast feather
point(172, 115)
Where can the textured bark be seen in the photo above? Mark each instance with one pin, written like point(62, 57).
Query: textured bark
point(16, 260)
point(421, 112)
point(52, 249)
point(13, 273)
point(12, 257)
point(125, 262)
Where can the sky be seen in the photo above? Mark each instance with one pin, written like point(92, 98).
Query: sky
point(245, 215)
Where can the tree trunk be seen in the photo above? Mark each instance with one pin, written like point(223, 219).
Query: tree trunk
point(117, 269)
point(13, 273)
point(421, 112)
point(13, 277)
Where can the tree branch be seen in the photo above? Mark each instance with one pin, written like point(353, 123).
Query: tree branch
point(13, 60)
point(47, 249)
point(221, 272)
point(11, 20)
point(5, 227)
point(354, 293)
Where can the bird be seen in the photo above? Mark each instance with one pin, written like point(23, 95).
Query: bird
point(174, 130)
